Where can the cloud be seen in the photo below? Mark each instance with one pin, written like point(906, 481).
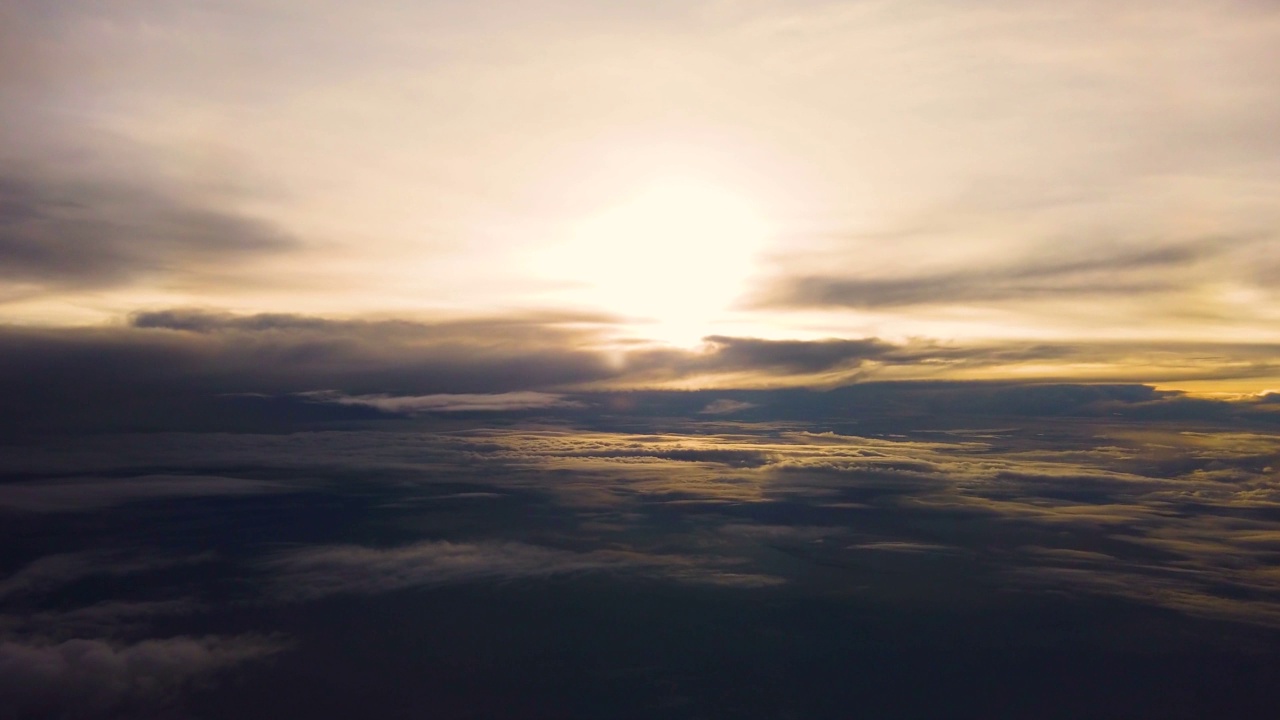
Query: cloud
point(730, 353)
point(91, 677)
point(189, 369)
point(320, 571)
point(96, 493)
point(496, 332)
point(695, 453)
point(1129, 273)
point(1142, 510)
point(52, 572)
point(93, 234)
point(175, 369)
point(314, 572)
point(108, 618)
point(746, 362)
point(414, 404)
point(724, 406)
point(294, 156)
point(903, 547)
point(1014, 481)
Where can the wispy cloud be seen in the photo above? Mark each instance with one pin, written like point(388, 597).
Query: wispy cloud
point(1054, 275)
point(725, 406)
point(60, 234)
point(91, 677)
point(320, 571)
point(472, 402)
point(354, 569)
point(53, 572)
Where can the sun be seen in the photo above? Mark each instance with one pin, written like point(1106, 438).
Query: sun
point(675, 253)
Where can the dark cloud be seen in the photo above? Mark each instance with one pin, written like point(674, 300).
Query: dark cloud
point(53, 572)
point(731, 353)
point(725, 355)
point(94, 678)
point(185, 369)
point(62, 233)
point(105, 619)
point(191, 369)
point(1109, 273)
point(988, 515)
point(81, 494)
point(921, 404)
point(320, 571)
point(490, 331)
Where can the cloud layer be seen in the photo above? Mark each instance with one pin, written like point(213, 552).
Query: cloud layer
point(932, 518)
point(685, 360)
point(187, 369)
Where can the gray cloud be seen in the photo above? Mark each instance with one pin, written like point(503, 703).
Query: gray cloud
point(56, 571)
point(182, 369)
point(730, 353)
point(725, 406)
point(473, 402)
point(1026, 486)
point(108, 618)
point(213, 364)
point(86, 233)
point(320, 571)
point(1052, 275)
point(724, 355)
point(833, 361)
point(496, 331)
point(95, 493)
point(92, 677)
point(352, 569)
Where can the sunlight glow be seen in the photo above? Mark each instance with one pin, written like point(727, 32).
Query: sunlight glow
point(677, 253)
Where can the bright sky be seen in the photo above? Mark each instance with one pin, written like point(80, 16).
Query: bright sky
point(995, 171)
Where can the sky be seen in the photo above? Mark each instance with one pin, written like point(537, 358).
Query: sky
point(702, 359)
point(1000, 172)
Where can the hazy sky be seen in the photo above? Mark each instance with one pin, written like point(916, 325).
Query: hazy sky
point(701, 360)
point(995, 172)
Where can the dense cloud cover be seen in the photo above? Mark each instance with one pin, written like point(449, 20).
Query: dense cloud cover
point(212, 515)
point(186, 369)
point(726, 553)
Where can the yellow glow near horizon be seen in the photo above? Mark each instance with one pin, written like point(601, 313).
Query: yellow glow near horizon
point(676, 253)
